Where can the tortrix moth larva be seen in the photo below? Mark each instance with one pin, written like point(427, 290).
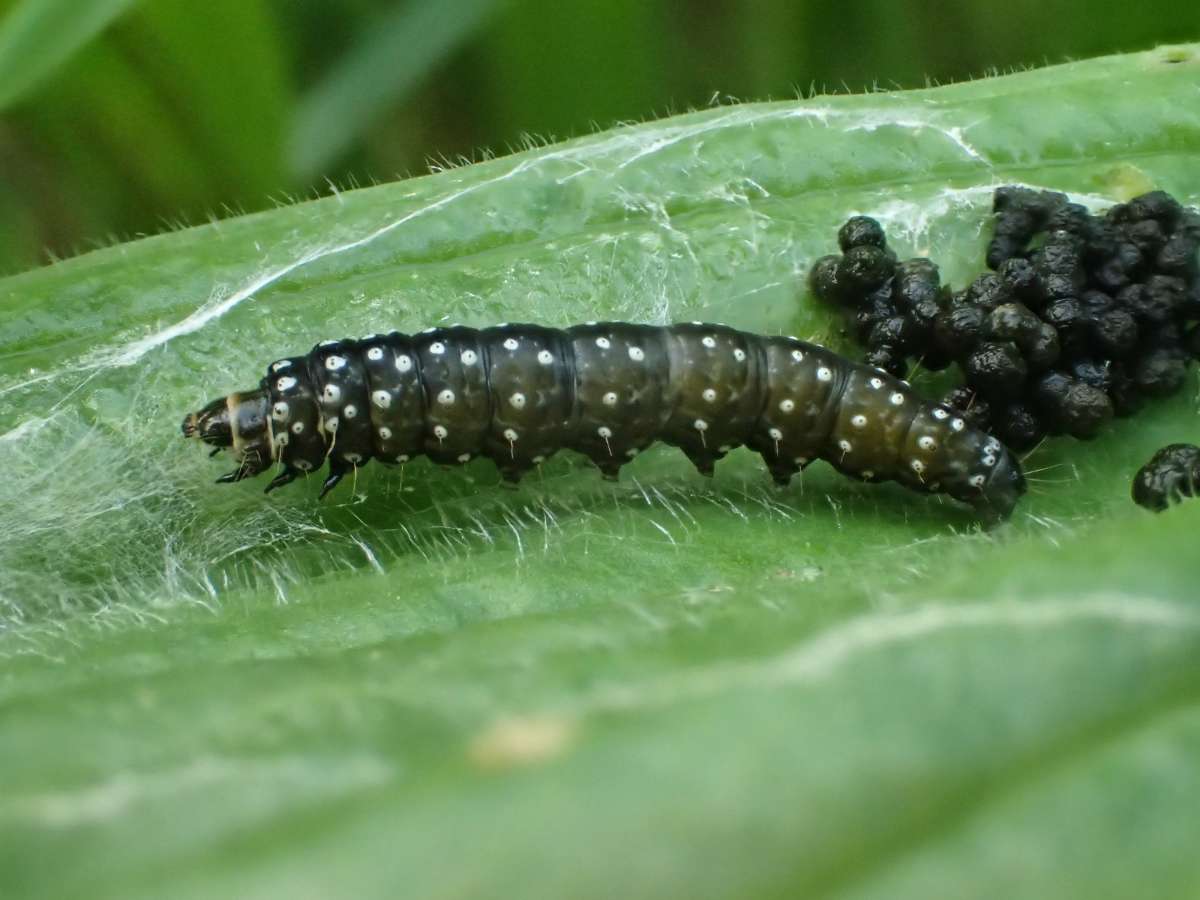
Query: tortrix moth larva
point(518, 393)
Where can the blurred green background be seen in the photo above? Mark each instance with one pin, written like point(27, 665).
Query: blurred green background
point(120, 118)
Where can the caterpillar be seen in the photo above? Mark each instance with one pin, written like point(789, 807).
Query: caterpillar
point(1171, 474)
point(518, 393)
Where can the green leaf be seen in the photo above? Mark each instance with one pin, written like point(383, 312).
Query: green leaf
point(390, 59)
point(227, 86)
point(436, 687)
point(37, 36)
point(575, 67)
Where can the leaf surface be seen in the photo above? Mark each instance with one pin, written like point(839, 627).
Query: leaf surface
point(671, 686)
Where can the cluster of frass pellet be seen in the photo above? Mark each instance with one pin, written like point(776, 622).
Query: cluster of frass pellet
point(1081, 317)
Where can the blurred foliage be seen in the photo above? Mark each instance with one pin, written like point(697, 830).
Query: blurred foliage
point(119, 118)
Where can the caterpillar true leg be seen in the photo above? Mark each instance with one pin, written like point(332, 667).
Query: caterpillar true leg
point(285, 477)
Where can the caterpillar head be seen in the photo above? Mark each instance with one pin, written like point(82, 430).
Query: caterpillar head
point(237, 423)
point(210, 424)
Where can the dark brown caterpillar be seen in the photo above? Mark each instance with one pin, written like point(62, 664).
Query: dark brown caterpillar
point(1171, 474)
point(518, 393)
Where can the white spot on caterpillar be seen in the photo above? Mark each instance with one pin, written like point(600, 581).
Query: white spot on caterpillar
point(939, 413)
point(281, 439)
point(286, 383)
point(845, 445)
point(610, 399)
point(958, 424)
point(637, 354)
point(375, 354)
point(701, 425)
point(279, 412)
point(440, 432)
point(464, 457)
point(350, 411)
point(917, 466)
point(631, 452)
point(303, 465)
point(603, 343)
point(867, 474)
point(976, 481)
point(331, 424)
point(517, 400)
point(437, 348)
point(925, 442)
point(446, 397)
point(353, 458)
point(724, 448)
point(739, 354)
point(988, 460)
point(787, 405)
point(875, 383)
point(545, 357)
point(403, 457)
point(282, 364)
point(511, 344)
point(775, 434)
point(469, 357)
point(801, 461)
point(604, 431)
point(382, 399)
point(385, 433)
point(510, 434)
point(709, 394)
point(331, 394)
point(708, 341)
point(859, 421)
point(403, 363)
point(333, 363)
point(824, 374)
point(538, 460)
point(797, 356)
point(897, 398)
point(297, 427)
